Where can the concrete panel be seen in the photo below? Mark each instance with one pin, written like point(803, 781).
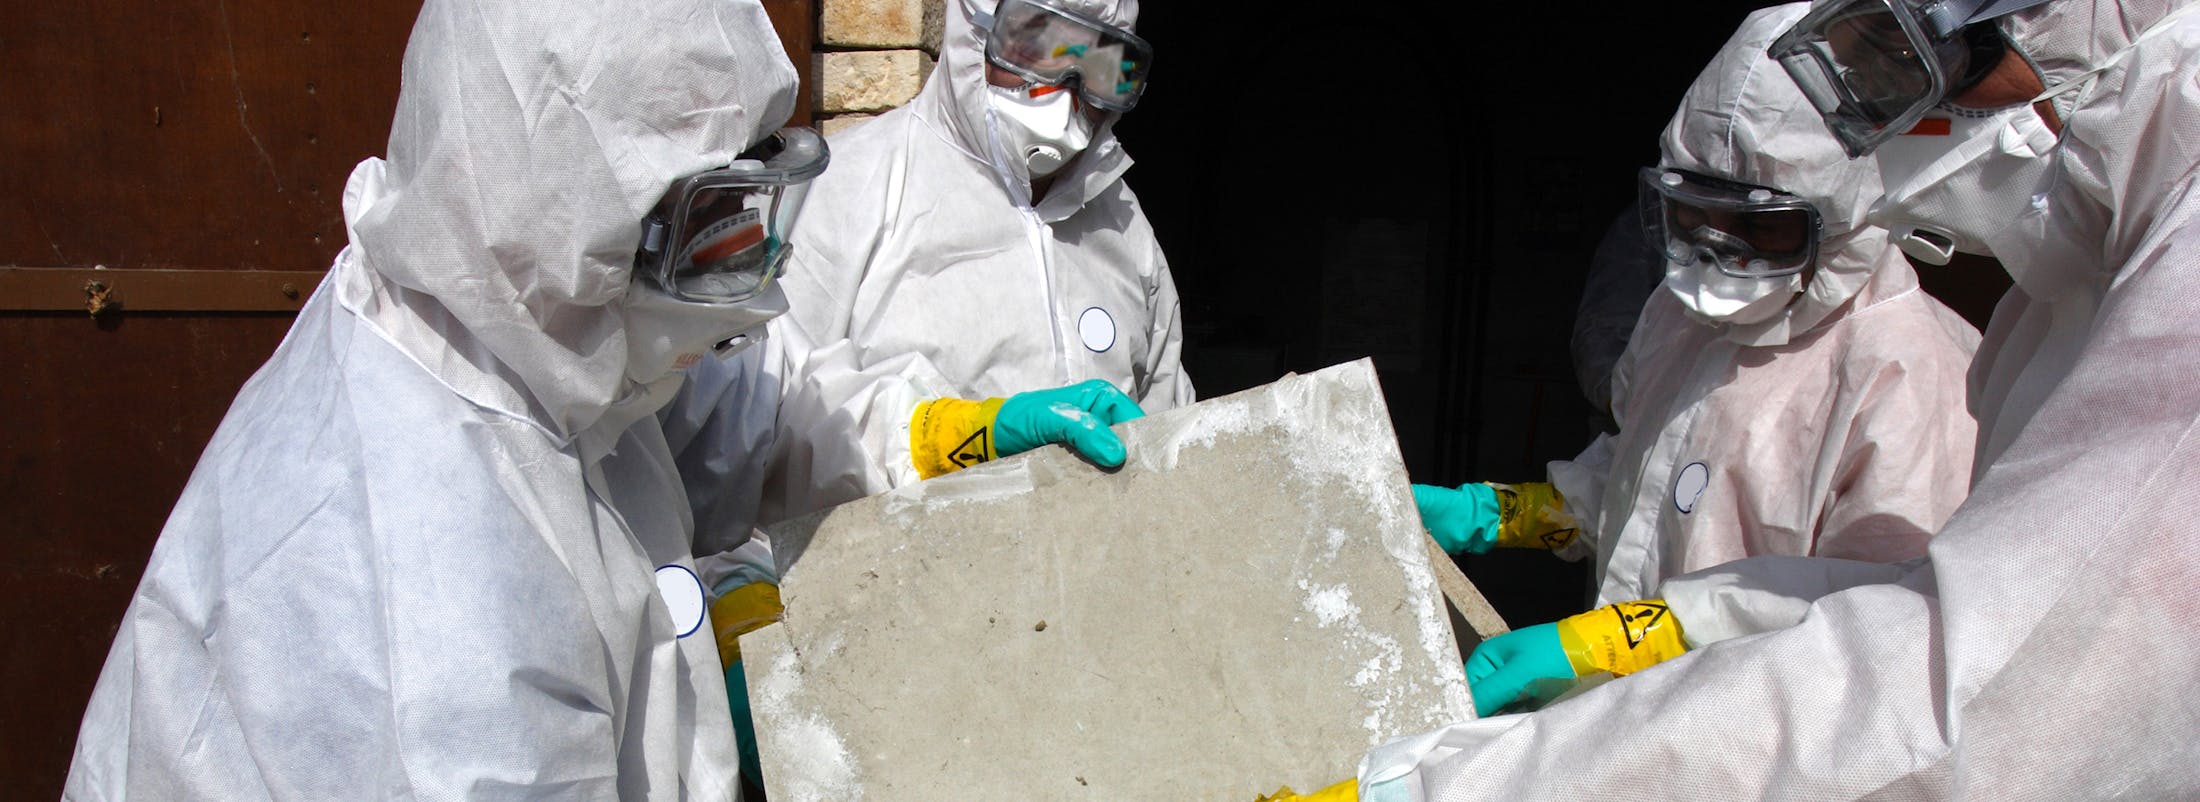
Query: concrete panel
point(1248, 603)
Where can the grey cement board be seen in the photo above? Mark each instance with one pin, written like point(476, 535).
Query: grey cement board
point(1247, 603)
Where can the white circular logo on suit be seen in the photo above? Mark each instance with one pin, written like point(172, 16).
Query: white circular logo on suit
point(1690, 486)
point(1097, 329)
point(682, 591)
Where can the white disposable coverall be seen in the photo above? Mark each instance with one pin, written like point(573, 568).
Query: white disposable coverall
point(1836, 428)
point(922, 268)
point(420, 557)
point(2037, 653)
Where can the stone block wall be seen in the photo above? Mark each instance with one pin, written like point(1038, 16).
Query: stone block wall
point(872, 56)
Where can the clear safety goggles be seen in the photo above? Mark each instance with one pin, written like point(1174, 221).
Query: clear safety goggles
point(1053, 46)
point(1748, 231)
point(1873, 68)
point(720, 236)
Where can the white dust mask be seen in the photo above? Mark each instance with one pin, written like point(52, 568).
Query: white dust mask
point(665, 335)
point(1961, 190)
point(1715, 297)
point(1993, 187)
point(1042, 134)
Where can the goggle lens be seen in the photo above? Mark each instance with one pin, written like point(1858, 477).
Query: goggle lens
point(1748, 231)
point(1046, 45)
point(1868, 68)
point(721, 236)
point(1881, 72)
point(729, 252)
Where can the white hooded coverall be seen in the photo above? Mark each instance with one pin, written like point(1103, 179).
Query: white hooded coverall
point(1835, 428)
point(420, 557)
point(2040, 651)
point(922, 268)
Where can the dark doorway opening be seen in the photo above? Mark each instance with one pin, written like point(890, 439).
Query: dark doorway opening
point(1421, 183)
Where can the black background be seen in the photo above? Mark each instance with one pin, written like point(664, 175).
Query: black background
point(1423, 183)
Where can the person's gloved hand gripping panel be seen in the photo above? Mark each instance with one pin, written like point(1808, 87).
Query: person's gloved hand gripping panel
point(1620, 639)
point(949, 434)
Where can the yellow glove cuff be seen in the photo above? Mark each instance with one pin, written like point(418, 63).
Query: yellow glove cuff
point(1532, 515)
point(1347, 791)
point(741, 611)
point(1622, 638)
point(949, 434)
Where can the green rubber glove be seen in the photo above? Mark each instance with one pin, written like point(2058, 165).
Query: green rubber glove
point(1077, 416)
point(1503, 669)
point(948, 434)
point(1618, 638)
point(1463, 519)
point(744, 724)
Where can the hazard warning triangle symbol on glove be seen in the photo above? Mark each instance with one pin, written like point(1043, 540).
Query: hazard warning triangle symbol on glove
point(972, 449)
point(1640, 620)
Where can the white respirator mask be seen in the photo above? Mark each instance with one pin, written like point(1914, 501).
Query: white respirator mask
point(1712, 296)
point(1042, 134)
point(1992, 186)
point(665, 335)
point(1968, 188)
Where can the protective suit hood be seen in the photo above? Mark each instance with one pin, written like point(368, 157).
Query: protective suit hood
point(954, 101)
point(497, 237)
point(1744, 120)
point(2066, 40)
point(2101, 170)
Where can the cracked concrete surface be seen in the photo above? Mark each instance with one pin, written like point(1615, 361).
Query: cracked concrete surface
point(1248, 603)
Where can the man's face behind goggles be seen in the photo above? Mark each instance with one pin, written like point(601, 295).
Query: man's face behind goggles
point(1044, 44)
point(1748, 231)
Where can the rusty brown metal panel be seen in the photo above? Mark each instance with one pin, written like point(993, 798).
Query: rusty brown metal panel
point(103, 422)
point(203, 135)
point(206, 135)
point(138, 134)
point(116, 292)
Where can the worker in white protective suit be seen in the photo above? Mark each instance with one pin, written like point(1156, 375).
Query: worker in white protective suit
point(977, 243)
point(1790, 392)
point(2034, 653)
point(439, 548)
point(971, 280)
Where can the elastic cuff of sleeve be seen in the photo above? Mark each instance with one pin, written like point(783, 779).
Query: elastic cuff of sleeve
point(1621, 638)
point(950, 434)
point(741, 611)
